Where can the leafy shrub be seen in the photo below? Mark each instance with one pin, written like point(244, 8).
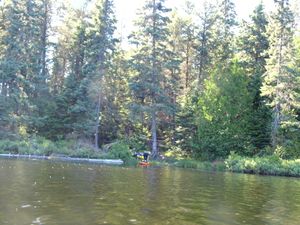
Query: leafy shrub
point(7, 146)
point(267, 165)
point(206, 166)
point(137, 143)
point(120, 150)
point(131, 162)
point(187, 163)
point(290, 151)
point(42, 146)
point(175, 153)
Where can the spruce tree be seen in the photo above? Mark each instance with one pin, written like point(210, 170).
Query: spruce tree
point(206, 42)
point(253, 45)
point(281, 81)
point(149, 64)
point(223, 34)
point(11, 62)
point(100, 50)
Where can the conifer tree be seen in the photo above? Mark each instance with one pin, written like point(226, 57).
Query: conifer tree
point(101, 47)
point(223, 32)
point(206, 42)
point(11, 58)
point(24, 59)
point(281, 81)
point(149, 64)
point(69, 81)
point(253, 45)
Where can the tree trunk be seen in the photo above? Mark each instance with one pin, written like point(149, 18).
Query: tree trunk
point(277, 110)
point(154, 135)
point(44, 41)
point(155, 82)
point(97, 122)
point(187, 64)
point(3, 89)
point(275, 126)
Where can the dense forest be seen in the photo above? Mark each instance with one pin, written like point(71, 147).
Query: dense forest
point(201, 85)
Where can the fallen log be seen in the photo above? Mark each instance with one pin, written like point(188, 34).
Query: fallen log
point(65, 158)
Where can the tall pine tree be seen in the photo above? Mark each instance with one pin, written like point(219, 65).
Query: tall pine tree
point(100, 49)
point(149, 64)
point(281, 81)
point(253, 45)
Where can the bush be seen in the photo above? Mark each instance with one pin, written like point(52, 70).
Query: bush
point(137, 143)
point(206, 166)
point(120, 150)
point(175, 153)
point(42, 146)
point(291, 151)
point(7, 146)
point(267, 165)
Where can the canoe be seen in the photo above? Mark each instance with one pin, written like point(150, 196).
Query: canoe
point(144, 163)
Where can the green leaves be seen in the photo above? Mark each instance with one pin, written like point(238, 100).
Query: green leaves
point(223, 114)
point(280, 84)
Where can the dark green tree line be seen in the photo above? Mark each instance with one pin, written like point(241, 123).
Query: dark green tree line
point(194, 81)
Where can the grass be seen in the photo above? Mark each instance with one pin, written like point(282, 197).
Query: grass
point(43, 147)
point(268, 165)
point(69, 148)
point(200, 165)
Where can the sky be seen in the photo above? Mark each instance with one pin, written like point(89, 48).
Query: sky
point(126, 10)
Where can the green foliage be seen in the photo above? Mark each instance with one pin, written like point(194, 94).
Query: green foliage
point(137, 143)
point(32, 146)
point(7, 146)
point(42, 146)
point(132, 162)
point(87, 86)
point(224, 33)
point(151, 62)
point(175, 153)
point(268, 165)
point(205, 166)
point(289, 151)
point(223, 115)
point(281, 82)
point(253, 60)
point(189, 163)
point(120, 150)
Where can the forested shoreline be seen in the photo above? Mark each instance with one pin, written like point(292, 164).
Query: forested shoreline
point(200, 85)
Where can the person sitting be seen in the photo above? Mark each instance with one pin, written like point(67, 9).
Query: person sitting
point(146, 156)
point(138, 155)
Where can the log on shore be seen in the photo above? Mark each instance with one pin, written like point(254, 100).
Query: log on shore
point(65, 158)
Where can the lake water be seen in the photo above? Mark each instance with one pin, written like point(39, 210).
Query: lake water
point(45, 192)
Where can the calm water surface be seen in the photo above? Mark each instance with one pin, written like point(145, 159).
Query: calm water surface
point(43, 192)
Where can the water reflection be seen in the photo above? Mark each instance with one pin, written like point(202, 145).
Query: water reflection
point(42, 192)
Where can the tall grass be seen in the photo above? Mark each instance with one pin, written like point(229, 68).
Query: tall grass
point(267, 165)
point(42, 146)
point(205, 166)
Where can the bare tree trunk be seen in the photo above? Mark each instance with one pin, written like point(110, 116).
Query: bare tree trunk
point(155, 82)
point(275, 126)
point(98, 107)
point(3, 89)
point(44, 40)
point(154, 135)
point(173, 137)
point(187, 64)
point(277, 110)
